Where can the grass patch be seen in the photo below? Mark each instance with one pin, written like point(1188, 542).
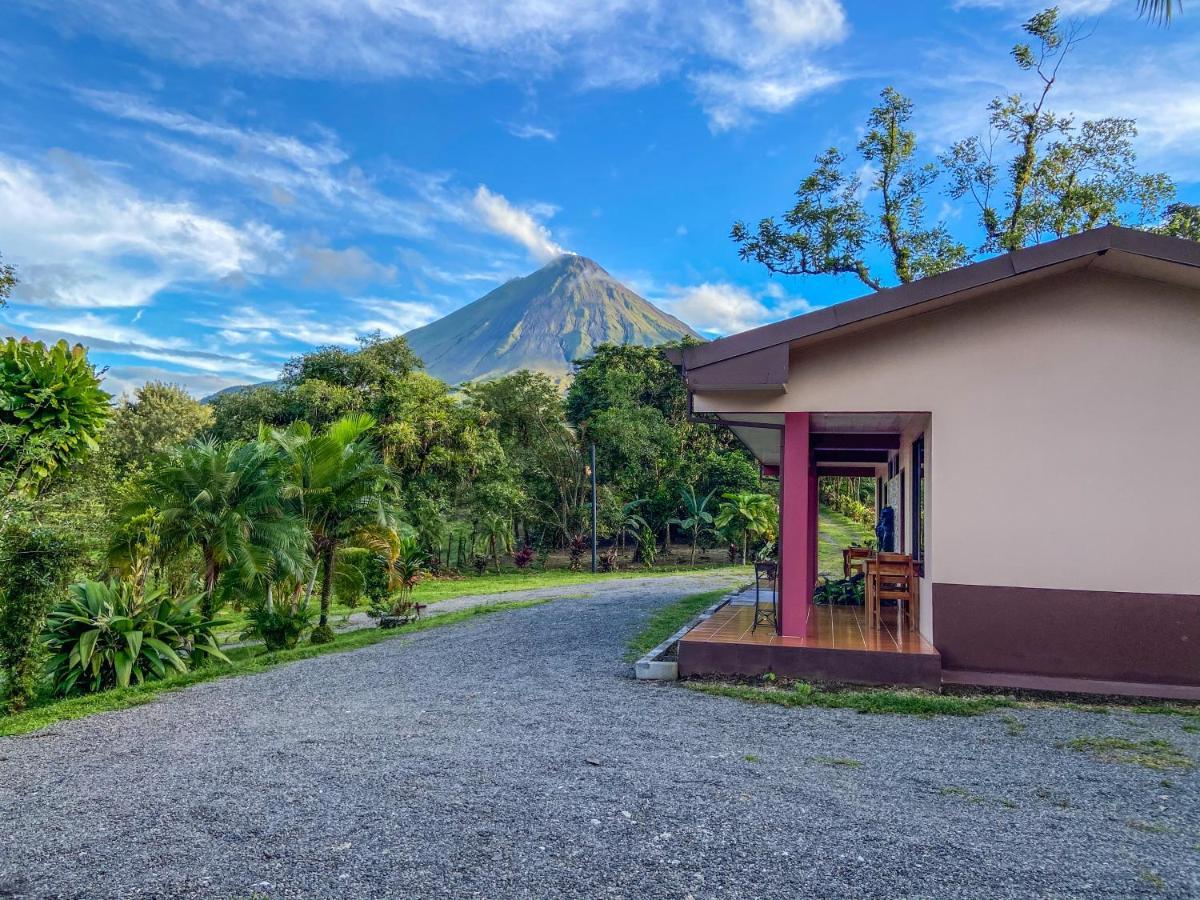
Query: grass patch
point(1013, 725)
point(751, 758)
point(1159, 755)
point(908, 703)
point(245, 661)
point(669, 619)
point(1154, 880)
point(953, 791)
point(835, 531)
point(1148, 827)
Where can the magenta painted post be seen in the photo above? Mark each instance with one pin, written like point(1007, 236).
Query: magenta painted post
point(797, 531)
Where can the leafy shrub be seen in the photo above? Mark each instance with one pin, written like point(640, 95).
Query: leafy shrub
point(33, 571)
point(579, 544)
point(52, 409)
point(543, 556)
point(647, 548)
point(104, 635)
point(523, 557)
point(278, 626)
point(840, 591)
point(608, 560)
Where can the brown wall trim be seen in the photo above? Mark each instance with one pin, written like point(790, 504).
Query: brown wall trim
point(1106, 635)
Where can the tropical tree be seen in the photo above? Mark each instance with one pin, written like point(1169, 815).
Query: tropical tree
point(1160, 11)
point(696, 519)
point(496, 532)
point(51, 411)
point(630, 523)
point(340, 488)
point(224, 501)
point(158, 417)
point(746, 515)
point(8, 281)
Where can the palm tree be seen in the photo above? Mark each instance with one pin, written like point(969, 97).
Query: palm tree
point(496, 531)
point(747, 514)
point(342, 490)
point(630, 522)
point(223, 500)
point(1160, 11)
point(697, 518)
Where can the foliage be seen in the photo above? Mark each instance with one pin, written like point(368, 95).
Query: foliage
point(51, 411)
point(577, 546)
point(1036, 174)
point(1057, 178)
point(1182, 220)
point(278, 626)
point(340, 489)
point(158, 417)
point(226, 502)
point(8, 281)
point(696, 517)
point(404, 573)
point(523, 557)
point(106, 634)
point(747, 516)
point(34, 567)
point(839, 591)
point(852, 497)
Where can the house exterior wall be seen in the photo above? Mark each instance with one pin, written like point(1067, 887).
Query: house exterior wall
point(1066, 421)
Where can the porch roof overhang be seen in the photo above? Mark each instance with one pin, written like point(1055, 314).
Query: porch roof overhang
point(758, 360)
point(845, 444)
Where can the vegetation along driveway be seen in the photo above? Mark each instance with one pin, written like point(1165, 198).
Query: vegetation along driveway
point(515, 756)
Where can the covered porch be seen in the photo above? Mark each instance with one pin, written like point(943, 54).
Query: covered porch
point(807, 638)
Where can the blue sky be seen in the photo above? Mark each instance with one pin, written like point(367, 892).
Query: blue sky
point(198, 191)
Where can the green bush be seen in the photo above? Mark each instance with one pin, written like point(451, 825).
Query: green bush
point(34, 566)
point(276, 625)
point(104, 635)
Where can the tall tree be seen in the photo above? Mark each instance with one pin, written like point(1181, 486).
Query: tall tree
point(831, 230)
point(342, 490)
point(1038, 174)
point(158, 417)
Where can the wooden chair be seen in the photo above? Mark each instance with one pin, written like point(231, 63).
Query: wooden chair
point(854, 558)
point(892, 576)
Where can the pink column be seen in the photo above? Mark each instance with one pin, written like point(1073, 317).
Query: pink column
point(798, 526)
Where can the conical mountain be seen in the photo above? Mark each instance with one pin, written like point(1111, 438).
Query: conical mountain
point(541, 322)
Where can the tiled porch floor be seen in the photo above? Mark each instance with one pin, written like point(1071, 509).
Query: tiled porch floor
point(830, 628)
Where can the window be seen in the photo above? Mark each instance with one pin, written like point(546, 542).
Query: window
point(917, 479)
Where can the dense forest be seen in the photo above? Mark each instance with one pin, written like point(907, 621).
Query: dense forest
point(131, 528)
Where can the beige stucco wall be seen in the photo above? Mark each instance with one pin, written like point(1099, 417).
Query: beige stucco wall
point(1065, 428)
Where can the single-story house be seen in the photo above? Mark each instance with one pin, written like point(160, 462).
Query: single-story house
point(1033, 421)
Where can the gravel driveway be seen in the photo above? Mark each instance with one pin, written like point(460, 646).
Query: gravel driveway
point(460, 763)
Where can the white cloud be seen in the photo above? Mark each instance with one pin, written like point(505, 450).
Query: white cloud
point(528, 132)
point(499, 215)
point(81, 237)
point(246, 324)
point(1066, 7)
point(602, 43)
point(731, 99)
point(722, 308)
point(123, 381)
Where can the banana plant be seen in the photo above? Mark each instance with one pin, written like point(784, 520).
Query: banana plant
point(697, 519)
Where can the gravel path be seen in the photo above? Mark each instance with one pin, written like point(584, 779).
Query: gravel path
point(514, 756)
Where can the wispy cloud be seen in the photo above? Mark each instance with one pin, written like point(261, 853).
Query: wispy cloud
point(527, 132)
point(518, 223)
point(718, 308)
point(83, 238)
point(327, 266)
point(743, 57)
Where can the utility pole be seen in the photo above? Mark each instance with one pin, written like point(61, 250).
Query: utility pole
point(593, 468)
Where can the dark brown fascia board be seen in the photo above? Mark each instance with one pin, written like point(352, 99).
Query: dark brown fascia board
point(765, 369)
point(825, 440)
point(980, 274)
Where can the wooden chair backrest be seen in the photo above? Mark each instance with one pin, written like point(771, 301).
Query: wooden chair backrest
point(857, 552)
point(892, 566)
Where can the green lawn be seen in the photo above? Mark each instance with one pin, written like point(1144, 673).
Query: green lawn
point(835, 532)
